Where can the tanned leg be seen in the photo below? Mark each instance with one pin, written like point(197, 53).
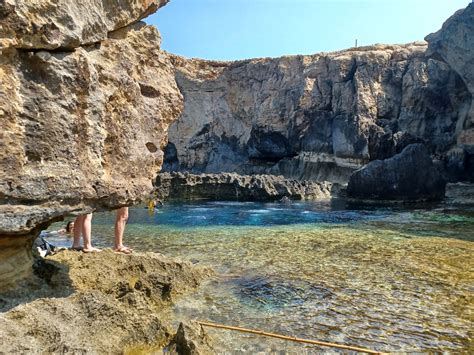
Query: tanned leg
point(120, 222)
point(86, 234)
point(76, 244)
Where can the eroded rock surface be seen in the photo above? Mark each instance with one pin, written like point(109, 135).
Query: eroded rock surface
point(408, 176)
point(229, 186)
point(95, 303)
point(323, 116)
point(81, 129)
point(65, 24)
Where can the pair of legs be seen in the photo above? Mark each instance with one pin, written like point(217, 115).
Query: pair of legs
point(82, 225)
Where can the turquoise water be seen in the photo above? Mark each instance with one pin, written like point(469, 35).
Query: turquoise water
point(386, 278)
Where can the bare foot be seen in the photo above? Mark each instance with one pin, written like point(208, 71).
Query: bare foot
point(124, 250)
point(78, 248)
point(91, 250)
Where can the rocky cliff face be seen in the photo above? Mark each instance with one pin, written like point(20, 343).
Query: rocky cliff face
point(63, 24)
point(85, 102)
point(321, 117)
point(454, 44)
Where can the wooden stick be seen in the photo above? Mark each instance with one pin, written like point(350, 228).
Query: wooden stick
point(284, 337)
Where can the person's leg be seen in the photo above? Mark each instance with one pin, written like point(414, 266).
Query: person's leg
point(120, 221)
point(76, 244)
point(86, 234)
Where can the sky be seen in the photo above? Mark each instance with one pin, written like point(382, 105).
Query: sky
point(240, 29)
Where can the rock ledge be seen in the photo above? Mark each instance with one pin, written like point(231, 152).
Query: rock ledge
point(230, 186)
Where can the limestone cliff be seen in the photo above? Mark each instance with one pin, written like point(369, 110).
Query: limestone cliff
point(86, 98)
point(323, 116)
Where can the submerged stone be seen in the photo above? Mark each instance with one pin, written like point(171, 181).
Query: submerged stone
point(272, 294)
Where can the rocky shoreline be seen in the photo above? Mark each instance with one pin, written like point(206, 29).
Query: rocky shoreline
point(99, 303)
point(104, 94)
point(230, 186)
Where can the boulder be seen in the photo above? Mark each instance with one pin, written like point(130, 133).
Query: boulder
point(408, 176)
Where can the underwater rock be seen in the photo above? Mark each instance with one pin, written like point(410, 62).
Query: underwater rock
point(408, 176)
point(227, 186)
point(80, 129)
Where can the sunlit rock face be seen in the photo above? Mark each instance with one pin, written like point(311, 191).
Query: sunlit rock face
point(323, 116)
point(66, 24)
point(80, 129)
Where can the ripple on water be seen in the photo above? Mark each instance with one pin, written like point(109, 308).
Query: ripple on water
point(377, 278)
point(366, 287)
point(273, 293)
point(259, 211)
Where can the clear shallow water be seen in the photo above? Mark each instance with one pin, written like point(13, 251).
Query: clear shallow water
point(389, 279)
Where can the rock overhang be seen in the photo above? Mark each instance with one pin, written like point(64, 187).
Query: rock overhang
point(83, 114)
point(65, 25)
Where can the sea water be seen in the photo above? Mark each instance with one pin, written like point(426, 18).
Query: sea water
point(392, 279)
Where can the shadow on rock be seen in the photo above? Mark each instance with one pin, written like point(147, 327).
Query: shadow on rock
point(50, 279)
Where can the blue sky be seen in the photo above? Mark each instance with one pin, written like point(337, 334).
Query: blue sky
point(238, 29)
